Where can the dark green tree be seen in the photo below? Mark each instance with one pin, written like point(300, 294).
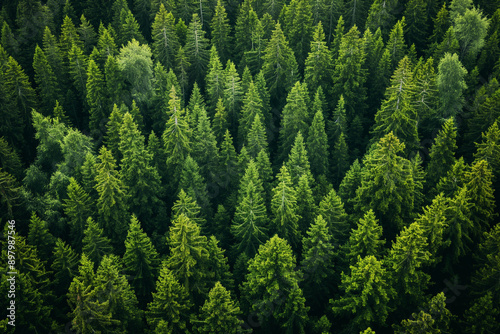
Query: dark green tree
point(79, 206)
point(366, 239)
point(317, 145)
point(221, 31)
point(196, 49)
point(165, 40)
point(45, 79)
point(442, 152)
point(95, 244)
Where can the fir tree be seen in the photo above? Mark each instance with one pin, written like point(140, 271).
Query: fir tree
point(256, 139)
point(332, 210)
point(317, 70)
point(140, 260)
point(442, 153)
point(220, 30)
point(197, 49)
point(95, 245)
point(40, 237)
point(206, 152)
point(232, 93)
point(215, 80)
point(489, 149)
point(65, 267)
point(366, 239)
point(252, 107)
point(298, 27)
point(194, 184)
point(165, 40)
point(317, 145)
point(45, 79)
point(480, 192)
point(451, 84)
point(95, 98)
point(78, 207)
point(298, 161)
point(185, 205)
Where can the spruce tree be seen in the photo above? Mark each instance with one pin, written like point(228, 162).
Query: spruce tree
point(111, 204)
point(40, 237)
point(205, 152)
point(366, 239)
point(442, 152)
point(197, 49)
point(232, 93)
point(317, 70)
point(96, 99)
point(451, 84)
point(396, 46)
point(218, 265)
point(215, 80)
point(194, 184)
point(252, 107)
point(332, 210)
point(480, 192)
point(489, 149)
point(165, 40)
point(185, 205)
point(273, 266)
point(317, 145)
point(140, 260)
point(78, 207)
point(95, 244)
point(220, 31)
point(298, 161)
point(45, 79)
point(170, 304)
point(65, 267)
point(256, 139)
point(298, 27)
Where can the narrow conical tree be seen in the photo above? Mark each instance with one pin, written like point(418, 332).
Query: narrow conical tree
point(220, 313)
point(317, 145)
point(65, 266)
point(40, 237)
point(188, 254)
point(220, 30)
point(318, 69)
point(205, 152)
point(197, 49)
point(284, 208)
point(170, 303)
point(140, 260)
point(298, 161)
point(232, 93)
point(318, 261)
point(366, 239)
point(274, 266)
point(332, 210)
point(396, 45)
point(45, 79)
point(298, 27)
point(185, 205)
point(218, 265)
point(112, 137)
point(489, 148)
point(194, 184)
point(165, 40)
point(214, 80)
point(306, 204)
point(442, 152)
point(95, 245)
point(111, 204)
point(480, 192)
point(451, 85)
point(252, 106)
point(256, 139)
point(78, 207)
point(96, 98)
point(139, 177)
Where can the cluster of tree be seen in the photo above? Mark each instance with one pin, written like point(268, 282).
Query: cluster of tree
point(299, 166)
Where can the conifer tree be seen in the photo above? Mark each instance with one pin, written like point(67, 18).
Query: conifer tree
point(244, 28)
point(228, 163)
point(95, 244)
point(40, 237)
point(332, 210)
point(280, 66)
point(349, 74)
point(87, 34)
point(196, 103)
point(480, 192)
point(140, 259)
point(451, 84)
point(317, 70)
point(298, 27)
point(205, 151)
point(220, 312)
point(396, 45)
point(165, 40)
point(387, 184)
point(194, 184)
point(252, 106)
point(188, 254)
point(215, 80)
point(367, 293)
point(298, 161)
point(318, 261)
point(139, 177)
point(366, 239)
point(78, 66)
point(129, 28)
point(187, 206)
point(260, 84)
point(294, 118)
point(197, 49)
point(106, 42)
point(317, 145)
point(112, 137)
point(442, 152)
point(274, 266)
point(78, 207)
point(232, 93)
point(112, 200)
point(381, 15)
point(256, 140)
point(95, 98)
point(45, 79)
point(481, 316)
point(489, 148)
point(217, 265)
point(284, 208)
point(220, 31)
point(341, 154)
point(170, 304)
point(65, 266)
point(416, 19)
point(249, 225)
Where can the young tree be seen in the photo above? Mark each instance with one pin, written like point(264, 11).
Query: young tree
point(220, 313)
point(165, 40)
point(140, 260)
point(274, 267)
point(170, 304)
point(367, 293)
point(111, 205)
point(451, 85)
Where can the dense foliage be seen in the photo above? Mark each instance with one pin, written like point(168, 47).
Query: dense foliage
point(237, 166)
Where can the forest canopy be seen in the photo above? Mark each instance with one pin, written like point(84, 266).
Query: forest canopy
point(250, 166)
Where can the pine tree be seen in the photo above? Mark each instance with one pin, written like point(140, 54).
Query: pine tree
point(197, 49)
point(249, 225)
point(140, 260)
point(349, 74)
point(406, 258)
point(294, 118)
point(284, 208)
point(170, 304)
point(111, 204)
point(387, 184)
point(45, 79)
point(188, 254)
point(279, 67)
point(367, 293)
point(451, 84)
point(396, 113)
point(274, 267)
point(366, 239)
point(317, 145)
point(194, 184)
point(165, 40)
point(232, 93)
point(220, 31)
point(220, 312)
point(332, 210)
point(318, 261)
point(40, 237)
point(78, 207)
point(139, 177)
point(252, 107)
point(215, 80)
point(95, 245)
point(442, 153)
point(298, 161)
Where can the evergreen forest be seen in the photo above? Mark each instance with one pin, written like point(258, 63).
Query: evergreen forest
point(250, 166)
